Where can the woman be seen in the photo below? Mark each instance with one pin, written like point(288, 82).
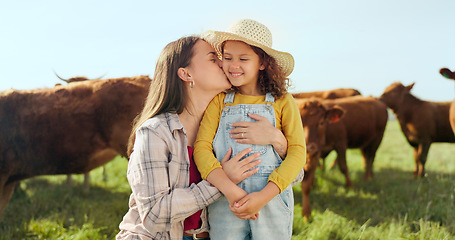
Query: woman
point(168, 199)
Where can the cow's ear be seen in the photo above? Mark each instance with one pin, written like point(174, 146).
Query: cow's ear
point(409, 87)
point(447, 73)
point(334, 114)
point(183, 74)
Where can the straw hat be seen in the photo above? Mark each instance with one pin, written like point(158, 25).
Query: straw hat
point(252, 33)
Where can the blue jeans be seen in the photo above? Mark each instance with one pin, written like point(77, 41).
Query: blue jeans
point(275, 219)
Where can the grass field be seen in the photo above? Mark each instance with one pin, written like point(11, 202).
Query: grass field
point(392, 206)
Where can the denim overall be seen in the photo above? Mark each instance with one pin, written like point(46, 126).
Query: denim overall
point(275, 219)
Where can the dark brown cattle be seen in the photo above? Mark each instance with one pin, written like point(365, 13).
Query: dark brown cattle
point(362, 126)
point(450, 75)
point(329, 94)
point(65, 129)
point(422, 122)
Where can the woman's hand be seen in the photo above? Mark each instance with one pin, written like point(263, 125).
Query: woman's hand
point(261, 132)
point(238, 170)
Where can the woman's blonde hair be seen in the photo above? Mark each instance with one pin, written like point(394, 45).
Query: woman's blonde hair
point(167, 91)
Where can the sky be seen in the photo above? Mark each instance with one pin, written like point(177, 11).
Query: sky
point(361, 44)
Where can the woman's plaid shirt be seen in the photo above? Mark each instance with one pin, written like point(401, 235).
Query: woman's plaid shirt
point(158, 173)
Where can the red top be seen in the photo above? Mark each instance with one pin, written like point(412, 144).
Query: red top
point(194, 221)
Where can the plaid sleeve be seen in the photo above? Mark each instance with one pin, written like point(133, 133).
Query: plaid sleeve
point(158, 204)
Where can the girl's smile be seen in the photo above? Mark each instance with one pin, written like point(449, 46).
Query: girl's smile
point(235, 75)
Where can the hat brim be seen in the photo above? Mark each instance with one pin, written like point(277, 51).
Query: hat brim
point(216, 39)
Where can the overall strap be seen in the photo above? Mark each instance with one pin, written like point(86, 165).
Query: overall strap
point(269, 98)
point(229, 98)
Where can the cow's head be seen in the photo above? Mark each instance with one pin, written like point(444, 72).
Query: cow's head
point(447, 73)
point(394, 94)
point(315, 117)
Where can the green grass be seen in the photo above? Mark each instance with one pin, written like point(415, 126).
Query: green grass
point(391, 206)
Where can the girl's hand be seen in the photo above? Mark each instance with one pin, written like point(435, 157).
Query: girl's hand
point(255, 201)
point(242, 215)
point(260, 132)
point(237, 170)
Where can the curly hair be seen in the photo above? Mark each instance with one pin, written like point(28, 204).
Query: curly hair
point(272, 78)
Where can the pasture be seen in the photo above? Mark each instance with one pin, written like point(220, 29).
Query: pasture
point(391, 206)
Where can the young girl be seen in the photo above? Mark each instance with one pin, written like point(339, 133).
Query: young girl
point(258, 74)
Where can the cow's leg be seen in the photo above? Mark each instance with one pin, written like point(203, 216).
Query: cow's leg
point(87, 179)
point(104, 173)
point(334, 164)
point(69, 179)
point(341, 159)
point(368, 158)
point(422, 158)
point(307, 185)
point(5, 195)
point(322, 163)
point(369, 153)
point(323, 158)
point(416, 161)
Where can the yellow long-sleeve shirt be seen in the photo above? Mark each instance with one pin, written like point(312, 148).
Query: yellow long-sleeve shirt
point(287, 120)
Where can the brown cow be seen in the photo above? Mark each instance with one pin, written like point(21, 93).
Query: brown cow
point(422, 122)
point(450, 75)
point(71, 80)
point(65, 129)
point(329, 94)
point(315, 118)
point(362, 126)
